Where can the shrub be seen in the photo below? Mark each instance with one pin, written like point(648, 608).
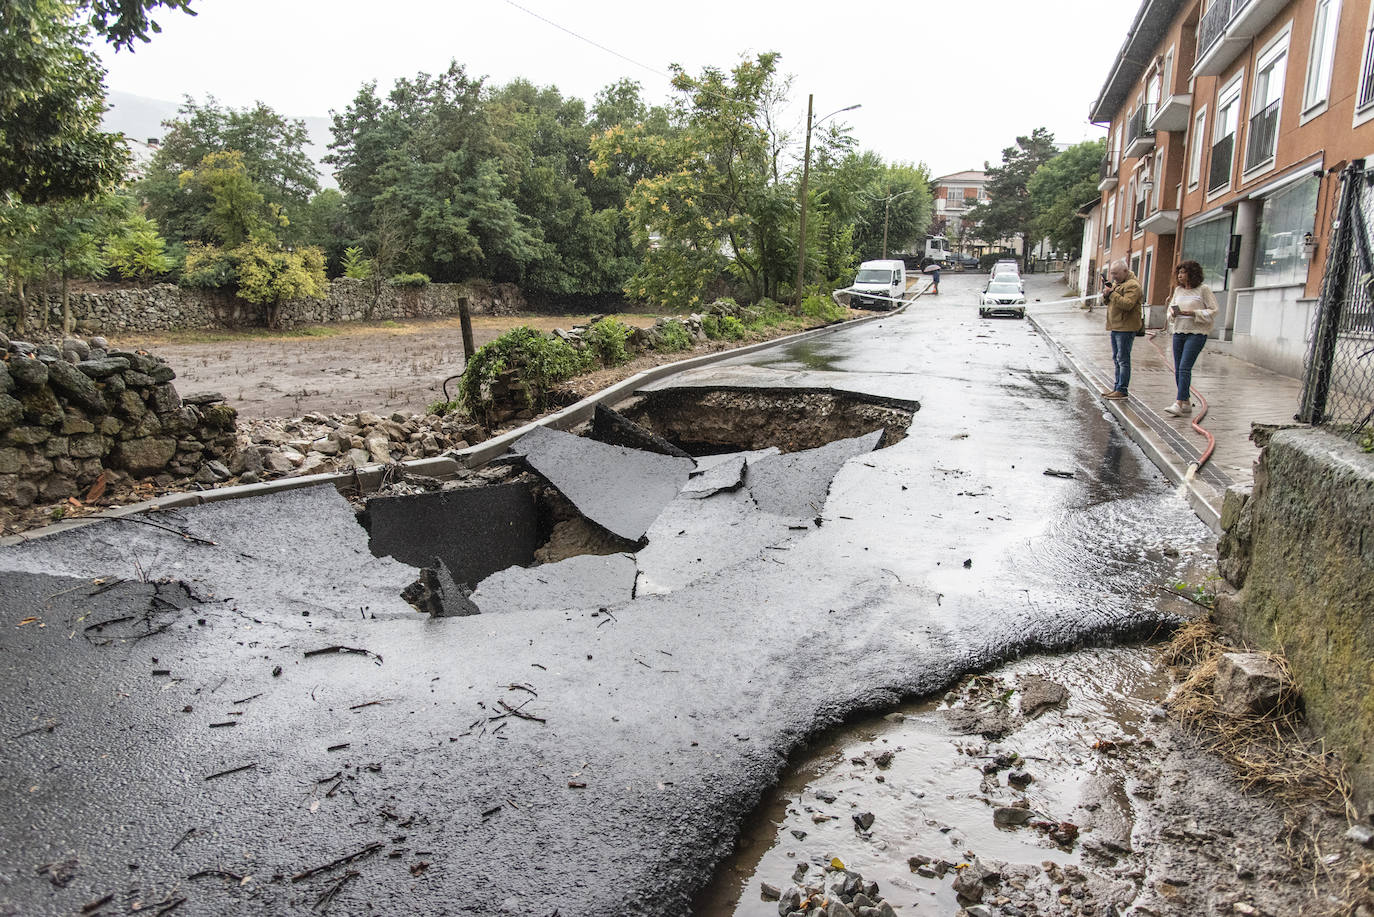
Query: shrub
point(822, 307)
point(710, 326)
point(410, 280)
point(443, 408)
point(139, 252)
point(673, 337)
point(355, 266)
point(538, 362)
point(207, 267)
point(732, 328)
point(608, 339)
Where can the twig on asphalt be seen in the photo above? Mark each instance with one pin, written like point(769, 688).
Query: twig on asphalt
point(247, 699)
point(97, 904)
point(322, 902)
point(216, 874)
point(514, 687)
point(100, 624)
point(167, 528)
point(184, 838)
point(516, 711)
point(371, 703)
point(357, 651)
point(341, 861)
point(233, 770)
point(47, 727)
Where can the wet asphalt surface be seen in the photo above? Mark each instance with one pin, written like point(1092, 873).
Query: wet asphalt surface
point(173, 732)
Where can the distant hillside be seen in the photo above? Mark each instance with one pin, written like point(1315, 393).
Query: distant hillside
point(140, 118)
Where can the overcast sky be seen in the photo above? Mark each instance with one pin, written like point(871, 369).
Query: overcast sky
point(947, 83)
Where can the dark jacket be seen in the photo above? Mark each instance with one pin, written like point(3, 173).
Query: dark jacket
point(1123, 305)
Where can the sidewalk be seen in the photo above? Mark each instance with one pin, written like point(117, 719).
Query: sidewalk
point(1238, 394)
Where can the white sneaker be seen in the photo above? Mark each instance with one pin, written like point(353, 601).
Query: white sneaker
point(1177, 410)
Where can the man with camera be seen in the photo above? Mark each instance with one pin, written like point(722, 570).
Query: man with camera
point(1122, 295)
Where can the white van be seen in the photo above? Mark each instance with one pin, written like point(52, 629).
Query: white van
point(878, 285)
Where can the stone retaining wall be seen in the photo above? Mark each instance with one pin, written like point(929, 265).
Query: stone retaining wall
point(73, 417)
point(1300, 546)
point(167, 307)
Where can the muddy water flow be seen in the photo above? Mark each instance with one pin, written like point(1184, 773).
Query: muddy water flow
point(920, 772)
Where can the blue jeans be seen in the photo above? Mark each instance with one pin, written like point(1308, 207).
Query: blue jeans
point(1186, 350)
point(1121, 356)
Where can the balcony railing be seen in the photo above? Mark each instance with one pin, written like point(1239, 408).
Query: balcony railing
point(1212, 26)
point(1219, 175)
point(1366, 76)
point(1106, 174)
point(1263, 135)
point(1135, 128)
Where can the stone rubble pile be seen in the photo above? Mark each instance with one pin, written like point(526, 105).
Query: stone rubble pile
point(76, 413)
point(835, 892)
point(320, 443)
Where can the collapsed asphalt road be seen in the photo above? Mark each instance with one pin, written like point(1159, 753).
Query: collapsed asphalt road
point(249, 719)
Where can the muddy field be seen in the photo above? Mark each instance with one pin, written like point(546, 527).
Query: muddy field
point(381, 366)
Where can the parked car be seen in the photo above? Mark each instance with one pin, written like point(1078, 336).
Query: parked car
point(1002, 297)
point(1007, 272)
point(964, 262)
point(878, 285)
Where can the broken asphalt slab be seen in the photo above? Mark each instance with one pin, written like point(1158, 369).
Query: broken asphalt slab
point(578, 583)
point(795, 484)
point(620, 489)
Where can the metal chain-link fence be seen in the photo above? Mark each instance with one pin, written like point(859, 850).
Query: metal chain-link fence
point(1338, 386)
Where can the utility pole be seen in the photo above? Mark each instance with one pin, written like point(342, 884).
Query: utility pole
point(801, 225)
point(806, 175)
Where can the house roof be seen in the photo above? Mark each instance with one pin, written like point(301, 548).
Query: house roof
point(1151, 24)
point(961, 176)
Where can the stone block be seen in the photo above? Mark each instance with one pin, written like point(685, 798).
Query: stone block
point(41, 407)
point(6, 381)
point(103, 369)
point(147, 425)
point(162, 374)
point(11, 412)
point(220, 417)
point(28, 372)
point(165, 399)
point(27, 436)
point(11, 460)
point(1248, 684)
point(73, 422)
point(135, 379)
point(56, 445)
point(111, 426)
point(77, 387)
point(145, 455)
point(114, 387)
point(56, 487)
point(131, 405)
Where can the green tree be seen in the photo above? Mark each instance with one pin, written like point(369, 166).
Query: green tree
point(20, 263)
point(270, 148)
point(234, 210)
point(424, 164)
point(324, 224)
point(1060, 187)
point(712, 202)
point(68, 242)
point(898, 201)
point(52, 96)
point(1008, 212)
point(136, 250)
point(270, 275)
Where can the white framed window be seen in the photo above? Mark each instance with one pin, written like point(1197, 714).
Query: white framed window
point(1364, 96)
point(1199, 144)
point(1266, 104)
point(1224, 129)
point(1116, 147)
point(1317, 85)
point(1110, 224)
point(1152, 96)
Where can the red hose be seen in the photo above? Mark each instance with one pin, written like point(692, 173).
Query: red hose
point(1195, 421)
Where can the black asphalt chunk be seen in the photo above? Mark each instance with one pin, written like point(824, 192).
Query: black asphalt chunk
point(795, 484)
point(622, 490)
point(474, 531)
point(613, 428)
point(589, 581)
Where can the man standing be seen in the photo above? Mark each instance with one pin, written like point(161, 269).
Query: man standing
point(1123, 297)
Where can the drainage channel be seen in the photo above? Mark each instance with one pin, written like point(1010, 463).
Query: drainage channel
point(1011, 773)
point(646, 499)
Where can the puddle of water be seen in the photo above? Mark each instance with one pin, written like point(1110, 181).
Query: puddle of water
point(933, 799)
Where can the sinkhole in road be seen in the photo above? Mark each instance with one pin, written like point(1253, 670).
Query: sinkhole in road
point(588, 500)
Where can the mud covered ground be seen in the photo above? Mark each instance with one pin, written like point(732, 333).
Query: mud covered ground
point(1054, 785)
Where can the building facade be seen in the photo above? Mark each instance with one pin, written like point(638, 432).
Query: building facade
point(955, 195)
point(1228, 121)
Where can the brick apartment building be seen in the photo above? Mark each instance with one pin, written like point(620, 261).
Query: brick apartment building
point(955, 195)
point(1228, 122)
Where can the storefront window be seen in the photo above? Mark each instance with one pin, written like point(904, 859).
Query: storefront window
point(1207, 244)
point(1288, 215)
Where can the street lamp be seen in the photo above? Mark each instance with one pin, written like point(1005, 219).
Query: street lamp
point(806, 174)
point(887, 210)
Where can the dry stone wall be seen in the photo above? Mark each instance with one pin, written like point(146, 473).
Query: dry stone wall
point(75, 415)
point(166, 307)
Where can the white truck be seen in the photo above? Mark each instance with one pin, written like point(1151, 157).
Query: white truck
point(937, 251)
point(878, 285)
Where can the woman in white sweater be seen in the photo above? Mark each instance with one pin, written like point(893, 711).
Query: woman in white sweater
point(1191, 310)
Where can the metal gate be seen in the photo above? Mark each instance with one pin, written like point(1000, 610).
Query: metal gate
point(1338, 384)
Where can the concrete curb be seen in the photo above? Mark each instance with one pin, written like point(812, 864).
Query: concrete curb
point(1155, 450)
point(369, 477)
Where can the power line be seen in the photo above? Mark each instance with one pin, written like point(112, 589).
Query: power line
point(594, 44)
